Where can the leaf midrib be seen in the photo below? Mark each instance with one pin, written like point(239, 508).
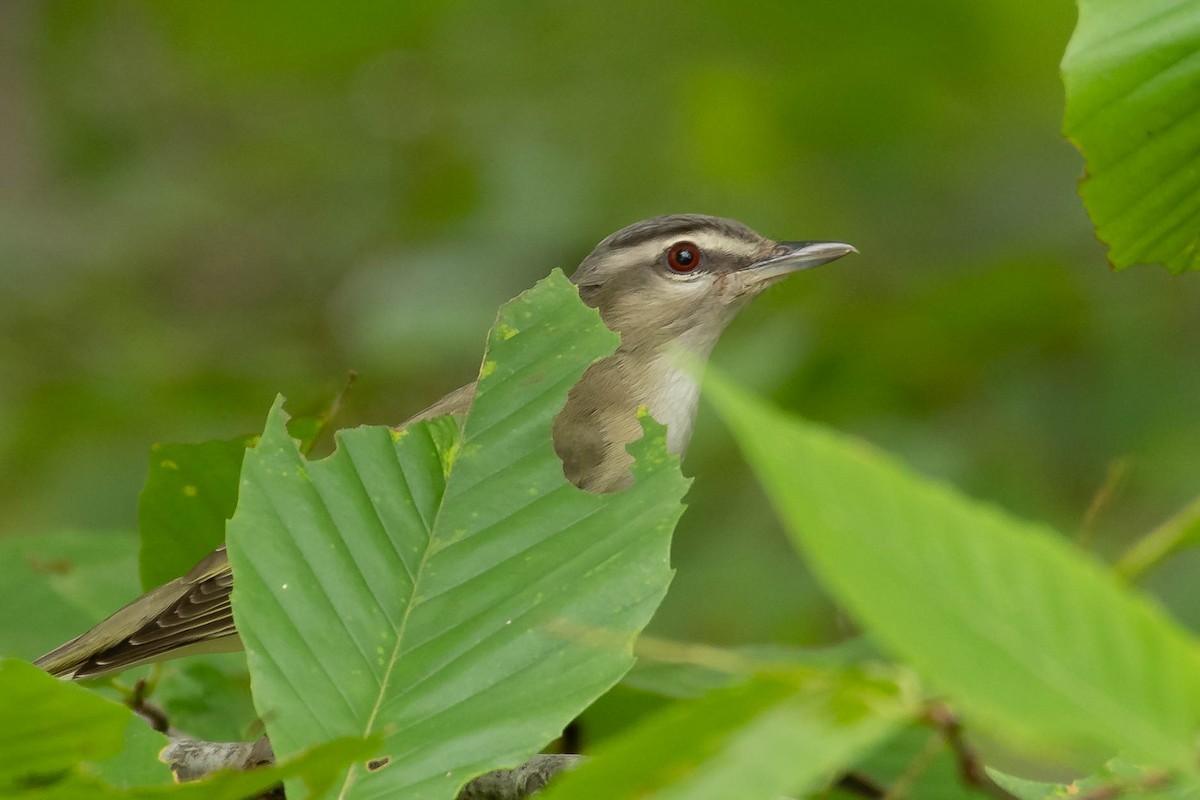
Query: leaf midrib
point(394, 658)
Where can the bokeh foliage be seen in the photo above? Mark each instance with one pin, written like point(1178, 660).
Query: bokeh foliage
point(203, 206)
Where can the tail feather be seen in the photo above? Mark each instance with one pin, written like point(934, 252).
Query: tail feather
point(191, 614)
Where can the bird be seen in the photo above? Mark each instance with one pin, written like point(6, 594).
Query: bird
point(669, 285)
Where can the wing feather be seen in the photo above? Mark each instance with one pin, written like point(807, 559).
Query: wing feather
point(187, 615)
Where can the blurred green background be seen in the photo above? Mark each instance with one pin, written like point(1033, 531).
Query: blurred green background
point(204, 204)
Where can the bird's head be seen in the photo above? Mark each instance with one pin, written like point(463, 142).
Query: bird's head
point(684, 277)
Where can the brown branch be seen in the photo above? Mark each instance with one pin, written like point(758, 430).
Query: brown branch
point(861, 785)
point(192, 759)
point(519, 783)
point(138, 700)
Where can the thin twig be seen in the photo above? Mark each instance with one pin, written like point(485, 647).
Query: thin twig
point(154, 716)
point(326, 416)
point(137, 698)
point(861, 785)
point(1101, 500)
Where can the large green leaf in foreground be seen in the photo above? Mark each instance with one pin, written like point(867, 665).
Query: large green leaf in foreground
point(48, 727)
point(782, 733)
point(1034, 640)
point(58, 741)
point(445, 585)
point(1116, 780)
point(1132, 74)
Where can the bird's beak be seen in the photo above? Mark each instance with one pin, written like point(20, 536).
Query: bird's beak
point(792, 257)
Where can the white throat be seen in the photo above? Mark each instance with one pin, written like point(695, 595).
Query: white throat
point(674, 405)
point(673, 402)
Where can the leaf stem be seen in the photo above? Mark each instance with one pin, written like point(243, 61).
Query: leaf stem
point(1101, 500)
point(1150, 550)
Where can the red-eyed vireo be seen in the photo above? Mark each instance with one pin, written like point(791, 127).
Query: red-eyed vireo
point(665, 284)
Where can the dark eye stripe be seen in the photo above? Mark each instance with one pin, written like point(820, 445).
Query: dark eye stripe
point(677, 227)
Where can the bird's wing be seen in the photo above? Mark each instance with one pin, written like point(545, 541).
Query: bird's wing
point(191, 614)
point(188, 615)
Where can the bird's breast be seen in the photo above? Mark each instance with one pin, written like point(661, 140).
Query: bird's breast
point(601, 417)
point(673, 403)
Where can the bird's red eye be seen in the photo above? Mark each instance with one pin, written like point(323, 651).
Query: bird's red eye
point(683, 257)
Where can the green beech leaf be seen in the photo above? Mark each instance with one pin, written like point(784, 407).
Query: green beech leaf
point(137, 764)
point(315, 769)
point(1118, 778)
point(190, 490)
point(312, 770)
point(1132, 74)
point(776, 734)
point(50, 729)
point(1033, 639)
point(58, 584)
point(445, 585)
point(59, 740)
